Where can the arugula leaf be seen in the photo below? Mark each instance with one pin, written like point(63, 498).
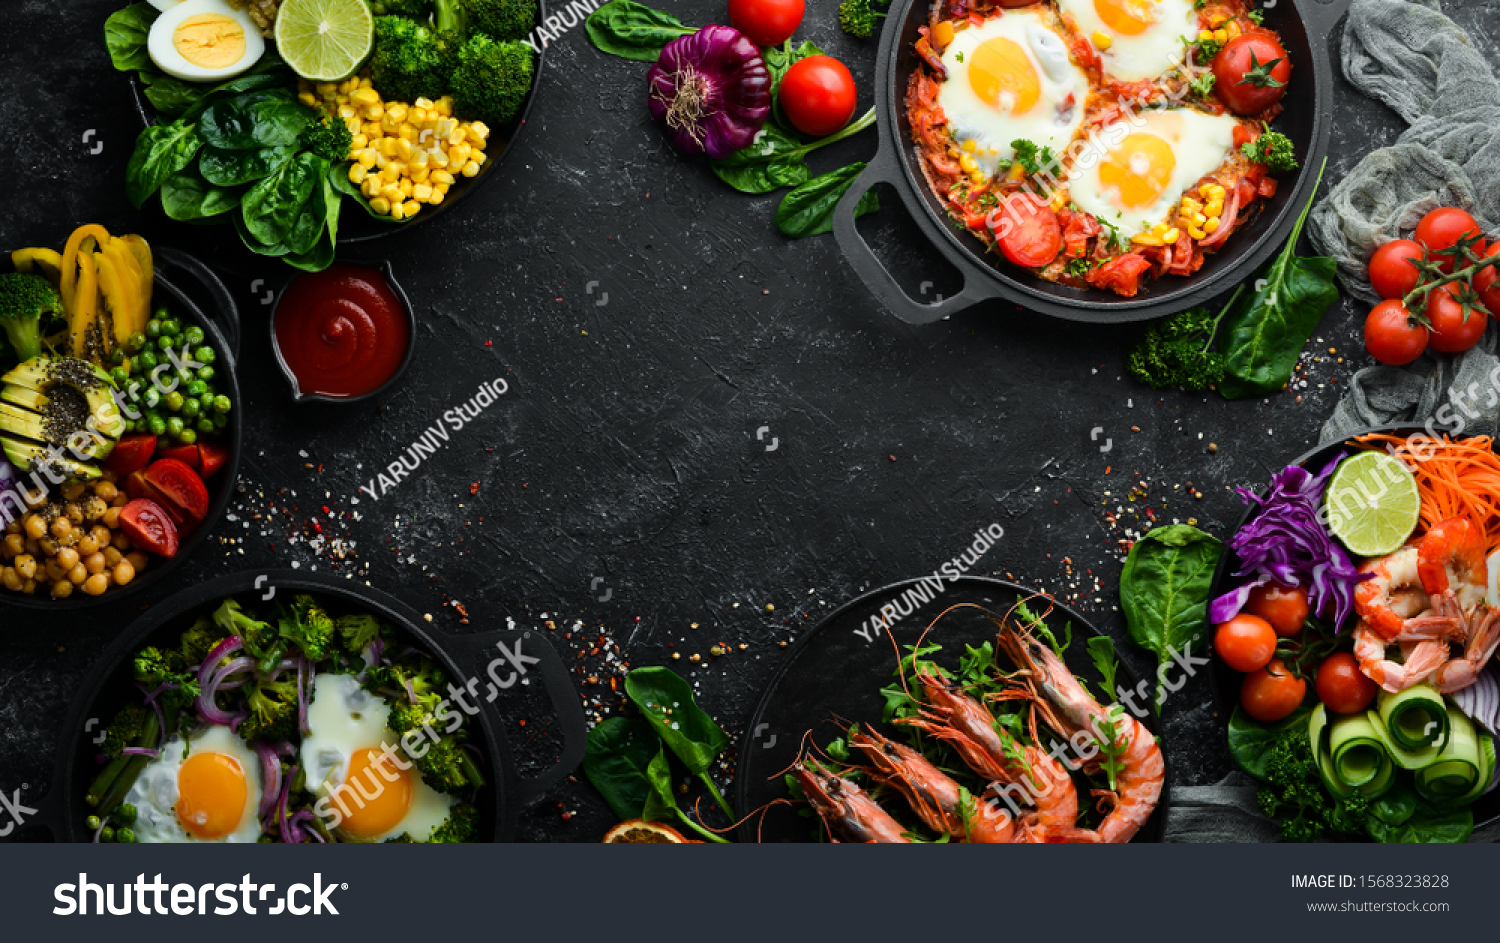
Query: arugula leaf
point(808, 209)
point(1102, 654)
point(1265, 332)
point(1164, 590)
point(125, 35)
point(160, 151)
point(632, 31)
point(665, 699)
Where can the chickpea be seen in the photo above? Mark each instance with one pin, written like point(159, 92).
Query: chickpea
point(14, 527)
point(62, 589)
point(78, 574)
point(105, 490)
point(93, 508)
point(112, 557)
point(11, 579)
point(35, 527)
point(26, 566)
point(94, 563)
point(112, 518)
point(73, 511)
point(71, 492)
point(88, 546)
point(101, 534)
point(55, 571)
point(47, 547)
point(28, 588)
point(96, 584)
point(123, 573)
point(67, 558)
point(15, 545)
point(137, 559)
point(121, 541)
point(120, 500)
point(62, 527)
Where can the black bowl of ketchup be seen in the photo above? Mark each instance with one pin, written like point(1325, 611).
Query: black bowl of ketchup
point(343, 334)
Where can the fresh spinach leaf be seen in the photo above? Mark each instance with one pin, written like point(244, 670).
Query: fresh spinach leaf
point(160, 151)
point(632, 31)
point(808, 209)
point(253, 81)
point(1427, 824)
point(666, 701)
point(340, 179)
point(778, 60)
point(772, 161)
point(1164, 590)
point(275, 250)
point(253, 120)
point(619, 751)
point(187, 196)
point(1265, 333)
point(325, 206)
point(279, 209)
point(125, 35)
point(232, 168)
point(1396, 807)
point(171, 97)
point(1250, 741)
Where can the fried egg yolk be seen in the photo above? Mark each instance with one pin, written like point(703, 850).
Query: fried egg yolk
point(211, 791)
point(392, 787)
point(1130, 17)
point(1001, 72)
point(1140, 169)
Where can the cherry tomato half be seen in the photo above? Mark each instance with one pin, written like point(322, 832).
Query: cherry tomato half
point(1484, 283)
point(1441, 228)
point(817, 95)
point(1392, 336)
point(1246, 642)
point(180, 485)
point(1453, 332)
point(131, 454)
point(214, 456)
point(1029, 235)
point(149, 528)
point(1271, 693)
point(1284, 607)
point(1251, 72)
point(1390, 274)
point(767, 22)
point(1342, 686)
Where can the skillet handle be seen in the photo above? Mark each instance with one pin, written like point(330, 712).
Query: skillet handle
point(222, 311)
point(531, 650)
point(883, 169)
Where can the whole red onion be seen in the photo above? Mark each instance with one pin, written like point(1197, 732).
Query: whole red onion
point(712, 89)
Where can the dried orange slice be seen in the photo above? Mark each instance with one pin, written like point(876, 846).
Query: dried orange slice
point(640, 830)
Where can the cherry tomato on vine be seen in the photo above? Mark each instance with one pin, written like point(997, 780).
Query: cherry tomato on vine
point(1271, 693)
point(1284, 607)
point(1452, 331)
point(1251, 72)
point(1441, 228)
point(1390, 274)
point(1246, 642)
point(1484, 283)
point(767, 22)
point(1342, 686)
point(817, 95)
point(1392, 336)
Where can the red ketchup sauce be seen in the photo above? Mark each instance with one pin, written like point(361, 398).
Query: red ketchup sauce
point(342, 332)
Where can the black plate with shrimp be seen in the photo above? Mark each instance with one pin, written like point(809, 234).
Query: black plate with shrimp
point(835, 678)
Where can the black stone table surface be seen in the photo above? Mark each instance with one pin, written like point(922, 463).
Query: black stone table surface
point(713, 435)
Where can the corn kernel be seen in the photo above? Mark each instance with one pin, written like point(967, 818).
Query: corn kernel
point(389, 173)
point(373, 113)
point(1221, 35)
point(1206, 191)
point(381, 205)
point(1200, 218)
point(326, 88)
point(1146, 239)
point(1171, 235)
point(1214, 209)
point(417, 116)
point(1016, 172)
point(348, 111)
point(410, 208)
point(389, 124)
point(381, 160)
point(397, 211)
point(403, 149)
point(1197, 234)
point(444, 106)
point(1233, 29)
point(471, 169)
point(371, 130)
point(308, 99)
point(364, 82)
point(423, 103)
point(968, 163)
point(370, 187)
point(367, 157)
point(1204, 35)
point(968, 145)
point(421, 192)
point(1058, 202)
point(407, 132)
point(439, 158)
point(419, 175)
point(976, 178)
point(1102, 40)
point(442, 178)
point(459, 154)
point(479, 144)
point(366, 96)
point(392, 193)
point(436, 198)
point(1211, 226)
point(359, 142)
point(357, 173)
point(479, 130)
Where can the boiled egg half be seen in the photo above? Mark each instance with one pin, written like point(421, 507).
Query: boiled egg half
point(204, 41)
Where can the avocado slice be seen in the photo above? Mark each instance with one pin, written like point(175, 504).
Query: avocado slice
point(29, 456)
point(45, 402)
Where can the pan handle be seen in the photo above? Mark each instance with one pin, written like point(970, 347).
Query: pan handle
point(1321, 16)
point(510, 653)
point(883, 169)
point(222, 311)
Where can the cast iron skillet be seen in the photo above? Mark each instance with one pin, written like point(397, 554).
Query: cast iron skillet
point(1226, 680)
point(62, 810)
point(834, 670)
point(220, 321)
point(1305, 27)
point(355, 224)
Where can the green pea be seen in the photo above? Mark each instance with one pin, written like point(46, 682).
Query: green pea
point(205, 355)
point(206, 401)
point(167, 341)
point(207, 374)
point(196, 388)
point(175, 427)
point(153, 398)
point(190, 408)
point(136, 342)
point(193, 335)
point(205, 425)
point(171, 326)
point(107, 835)
point(157, 426)
point(189, 436)
point(126, 814)
point(147, 360)
point(163, 443)
point(174, 401)
point(220, 421)
point(221, 404)
point(125, 836)
point(116, 356)
point(153, 328)
point(92, 823)
point(118, 376)
point(161, 313)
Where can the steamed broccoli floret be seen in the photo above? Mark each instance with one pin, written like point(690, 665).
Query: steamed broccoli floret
point(154, 667)
point(857, 18)
point(410, 60)
point(416, 9)
point(445, 766)
point(1178, 352)
point(1295, 793)
point(501, 19)
point(199, 641)
point(330, 139)
point(1273, 149)
point(310, 627)
point(273, 713)
point(261, 639)
point(357, 632)
point(491, 79)
point(24, 300)
point(463, 822)
point(127, 727)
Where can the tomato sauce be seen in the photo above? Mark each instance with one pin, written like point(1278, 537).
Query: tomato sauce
point(342, 332)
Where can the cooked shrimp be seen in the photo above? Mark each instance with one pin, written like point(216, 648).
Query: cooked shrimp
point(1394, 595)
point(931, 793)
point(845, 808)
point(1450, 558)
point(1420, 659)
point(1480, 646)
point(1142, 770)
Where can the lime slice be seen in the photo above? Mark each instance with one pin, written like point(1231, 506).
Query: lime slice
point(324, 40)
point(1373, 504)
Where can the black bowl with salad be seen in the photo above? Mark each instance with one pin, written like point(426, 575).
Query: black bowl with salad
point(120, 435)
point(323, 713)
point(1355, 618)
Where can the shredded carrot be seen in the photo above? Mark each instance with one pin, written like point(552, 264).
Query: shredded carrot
point(1454, 479)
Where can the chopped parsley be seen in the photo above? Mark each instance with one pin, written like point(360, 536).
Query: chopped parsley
point(1032, 159)
point(1079, 268)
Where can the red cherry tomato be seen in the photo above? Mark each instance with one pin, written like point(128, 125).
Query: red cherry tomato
point(1251, 72)
point(1441, 228)
point(1246, 642)
point(1342, 686)
point(1484, 283)
point(767, 22)
point(817, 94)
point(214, 456)
point(1453, 332)
point(1390, 273)
point(180, 485)
point(149, 527)
point(131, 454)
point(186, 454)
point(1284, 607)
point(1271, 693)
point(1029, 235)
point(1392, 336)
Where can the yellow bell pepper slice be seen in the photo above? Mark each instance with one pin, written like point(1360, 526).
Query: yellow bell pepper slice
point(46, 262)
point(71, 261)
point(117, 288)
point(130, 277)
point(84, 314)
point(141, 250)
